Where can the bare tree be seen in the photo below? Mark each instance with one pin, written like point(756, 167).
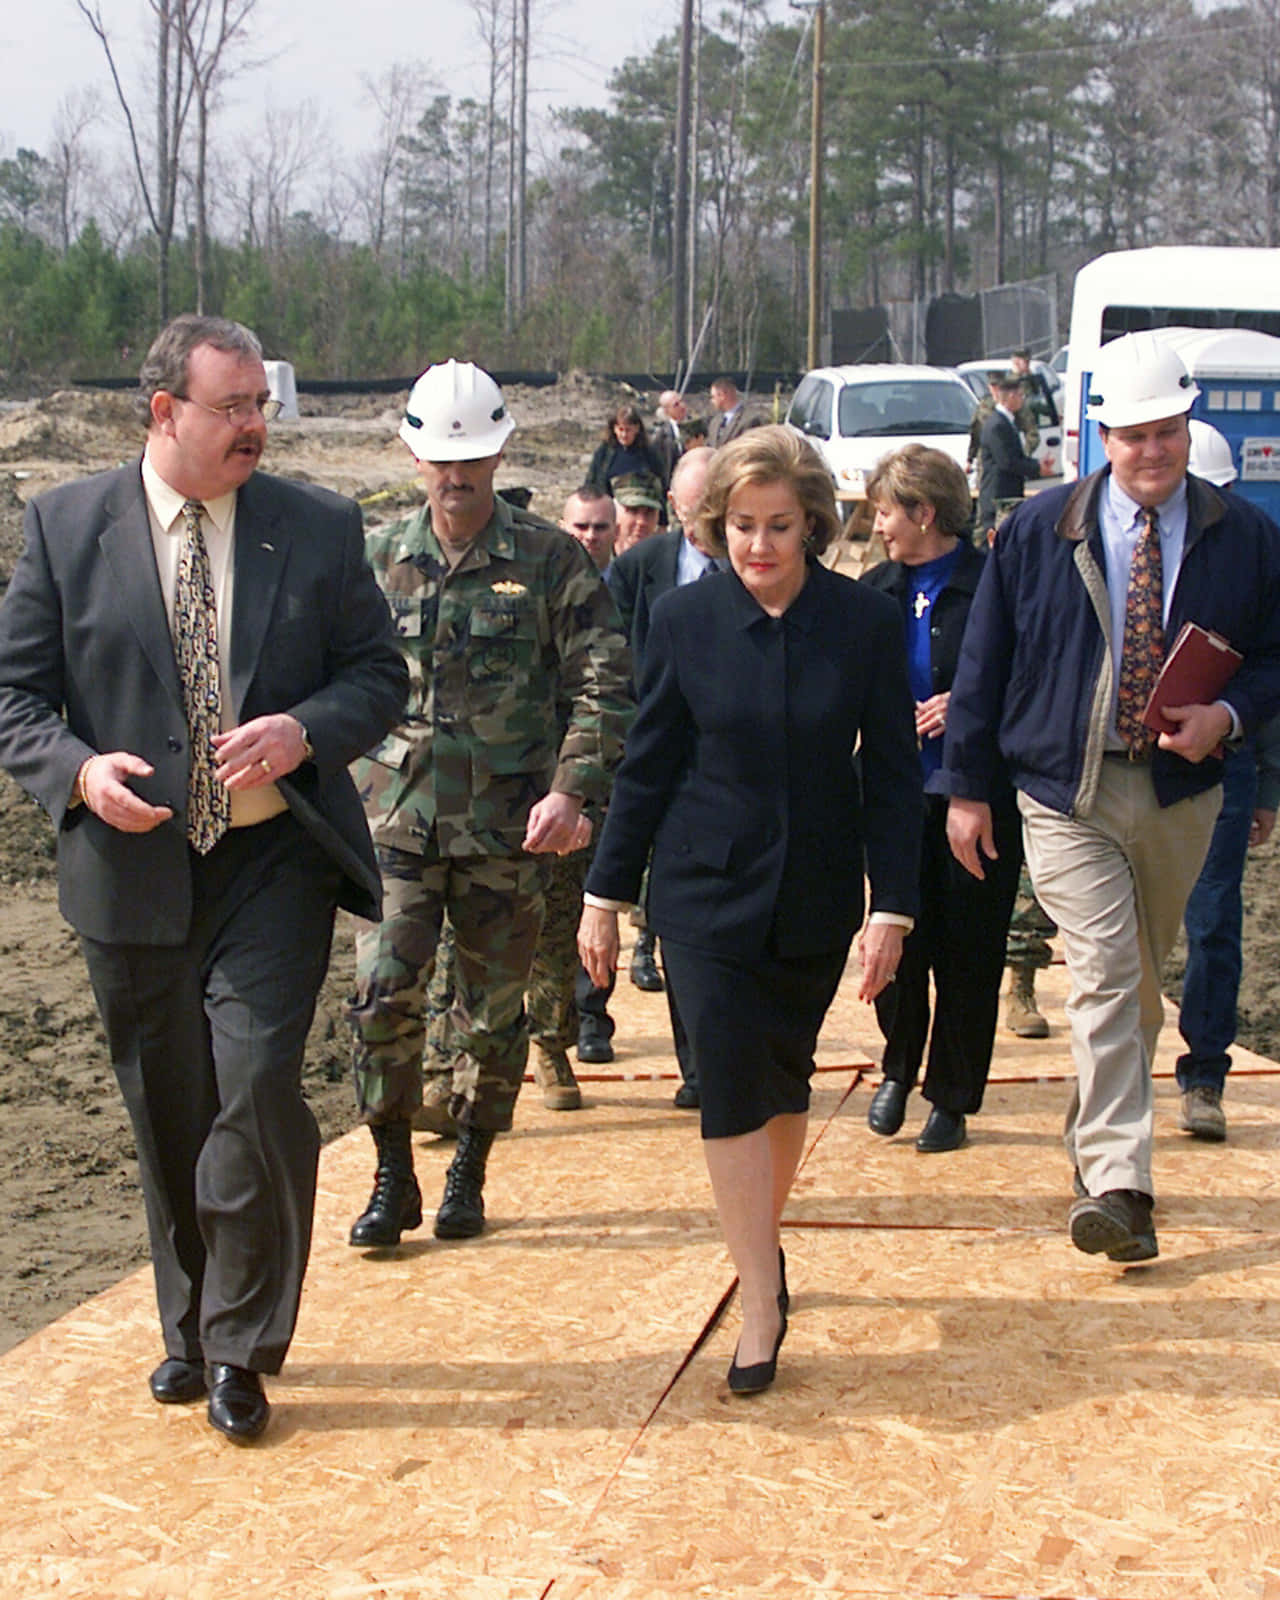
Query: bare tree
point(211, 31)
point(70, 162)
point(172, 104)
point(399, 96)
point(273, 160)
point(488, 15)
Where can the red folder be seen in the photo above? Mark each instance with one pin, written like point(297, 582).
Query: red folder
point(1195, 673)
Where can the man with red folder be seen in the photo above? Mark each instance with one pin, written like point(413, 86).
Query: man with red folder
point(1066, 638)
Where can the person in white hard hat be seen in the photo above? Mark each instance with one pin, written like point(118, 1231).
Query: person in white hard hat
point(519, 699)
point(1066, 636)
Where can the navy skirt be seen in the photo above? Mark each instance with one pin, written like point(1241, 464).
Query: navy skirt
point(753, 1027)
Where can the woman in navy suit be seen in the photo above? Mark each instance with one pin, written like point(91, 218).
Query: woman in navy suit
point(758, 686)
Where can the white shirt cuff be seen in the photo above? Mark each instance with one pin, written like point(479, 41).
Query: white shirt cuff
point(1237, 727)
point(895, 919)
point(601, 904)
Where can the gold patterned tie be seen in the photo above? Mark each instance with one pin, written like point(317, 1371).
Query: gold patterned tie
point(1142, 655)
point(195, 644)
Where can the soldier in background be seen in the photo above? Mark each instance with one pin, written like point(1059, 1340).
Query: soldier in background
point(517, 707)
point(639, 499)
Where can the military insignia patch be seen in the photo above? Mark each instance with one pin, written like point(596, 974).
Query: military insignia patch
point(506, 586)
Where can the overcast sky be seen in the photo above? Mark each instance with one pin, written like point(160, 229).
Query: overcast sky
point(322, 51)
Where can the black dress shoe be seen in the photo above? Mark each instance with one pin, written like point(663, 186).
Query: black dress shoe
point(593, 1041)
point(237, 1405)
point(644, 968)
point(944, 1130)
point(888, 1107)
point(758, 1376)
point(687, 1097)
point(177, 1381)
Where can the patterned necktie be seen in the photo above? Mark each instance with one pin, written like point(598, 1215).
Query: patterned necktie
point(195, 644)
point(1143, 653)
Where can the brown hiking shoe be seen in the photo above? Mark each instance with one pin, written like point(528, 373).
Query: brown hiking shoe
point(1116, 1224)
point(1020, 1015)
point(554, 1076)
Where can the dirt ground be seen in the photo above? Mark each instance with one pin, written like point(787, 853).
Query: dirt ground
point(70, 1209)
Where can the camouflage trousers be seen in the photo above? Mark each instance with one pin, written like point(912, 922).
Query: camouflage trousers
point(553, 1011)
point(1029, 929)
point(494, 906)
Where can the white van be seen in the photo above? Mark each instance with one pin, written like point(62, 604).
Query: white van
point(1186, 286)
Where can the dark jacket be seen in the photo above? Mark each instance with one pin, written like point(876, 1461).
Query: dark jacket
point(1034, 680)
point(87, 666)
point(637, 580)
point(611, 460)
point(950, 610)
point(740, 770)
point(1003, 466)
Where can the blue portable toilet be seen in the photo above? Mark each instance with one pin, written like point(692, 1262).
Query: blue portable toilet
point(1238, 373)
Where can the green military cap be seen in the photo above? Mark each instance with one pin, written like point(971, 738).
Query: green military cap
point(638, 489)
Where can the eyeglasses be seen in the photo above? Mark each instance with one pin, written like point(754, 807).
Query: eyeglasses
point(236, 412)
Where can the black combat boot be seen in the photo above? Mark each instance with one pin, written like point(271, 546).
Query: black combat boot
point(461, 1213)
point(396, 1201)
point(644, 966)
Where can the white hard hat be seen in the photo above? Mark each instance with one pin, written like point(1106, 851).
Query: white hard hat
point(1211, 455)
point(456, 413)
point(1138, 379)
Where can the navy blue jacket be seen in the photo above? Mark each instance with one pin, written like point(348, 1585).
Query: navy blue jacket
point(1034, 680)
point(740, 770)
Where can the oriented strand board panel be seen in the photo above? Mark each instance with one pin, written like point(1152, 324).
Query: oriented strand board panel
point(966, 1406)
point(971, 1414)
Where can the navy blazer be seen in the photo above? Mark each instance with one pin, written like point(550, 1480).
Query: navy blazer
point(740, 770)
point(87, 667)
point(637, 579)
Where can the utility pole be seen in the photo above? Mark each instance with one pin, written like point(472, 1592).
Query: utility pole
point(815, 188)
point(680, 228)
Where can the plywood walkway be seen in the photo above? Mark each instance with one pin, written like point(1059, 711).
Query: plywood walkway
point(965, 1407)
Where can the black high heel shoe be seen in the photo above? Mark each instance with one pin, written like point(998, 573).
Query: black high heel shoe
point(758, 1376)
point(784, 1298)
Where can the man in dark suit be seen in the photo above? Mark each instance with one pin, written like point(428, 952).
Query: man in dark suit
point(666, 439)
point(1004, 466)
point(637, 580)
point(190, 654)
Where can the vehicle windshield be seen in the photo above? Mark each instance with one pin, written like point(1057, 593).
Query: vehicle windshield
point(905, 406)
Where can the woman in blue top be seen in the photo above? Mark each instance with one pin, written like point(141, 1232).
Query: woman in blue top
point(923, 509)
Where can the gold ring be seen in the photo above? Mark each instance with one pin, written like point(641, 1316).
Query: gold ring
point(265, 764)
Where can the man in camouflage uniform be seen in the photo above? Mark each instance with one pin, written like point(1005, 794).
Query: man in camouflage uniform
point(518, 703)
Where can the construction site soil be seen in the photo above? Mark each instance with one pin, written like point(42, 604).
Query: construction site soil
point(70, 1208)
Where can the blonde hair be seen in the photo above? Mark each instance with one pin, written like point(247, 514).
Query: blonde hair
point(771, 454)
point(916, 475)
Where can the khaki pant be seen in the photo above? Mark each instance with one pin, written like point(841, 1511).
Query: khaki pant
point(1116, 883)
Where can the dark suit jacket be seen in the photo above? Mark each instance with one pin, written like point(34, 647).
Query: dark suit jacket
point(87, 666)
point(667, 447)
point(636, 581)
point(1005, 468)
point(740, 770)
point(725, 426)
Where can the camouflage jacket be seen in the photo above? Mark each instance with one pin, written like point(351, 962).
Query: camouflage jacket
point(518, 684)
